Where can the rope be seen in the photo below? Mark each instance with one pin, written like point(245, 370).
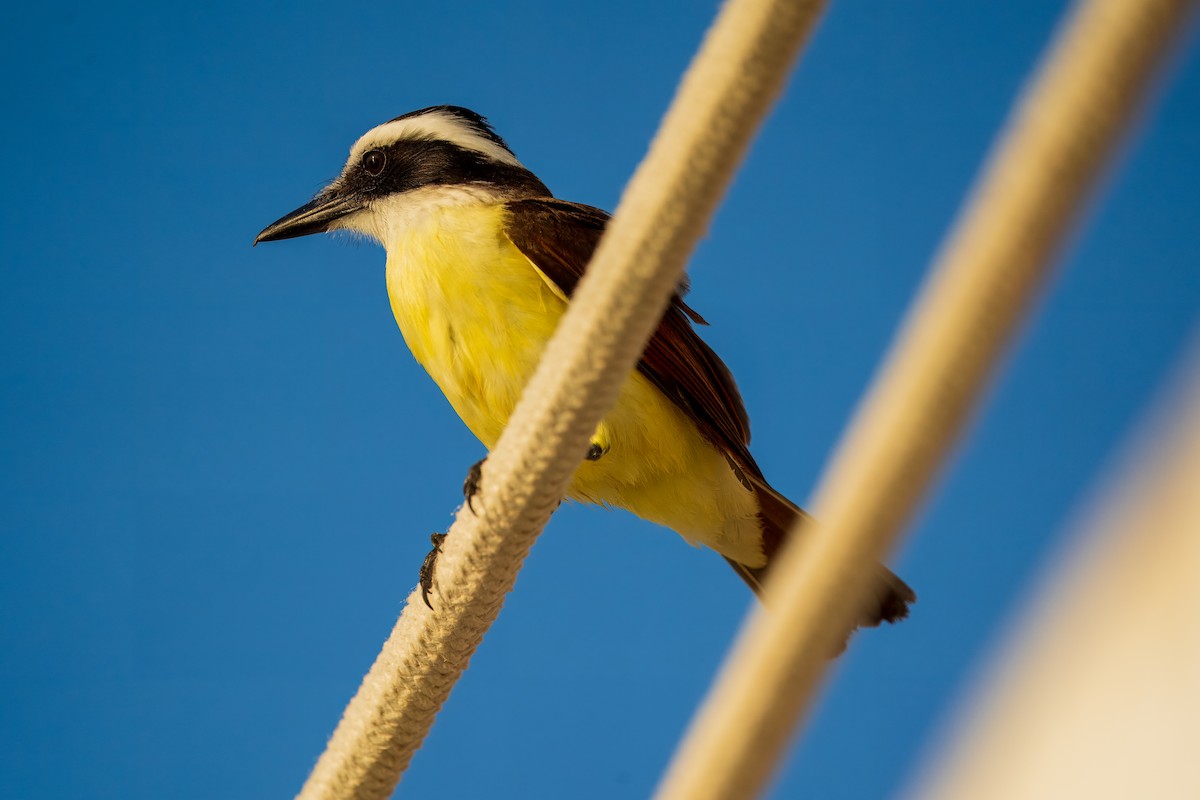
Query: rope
point(739, 70)
point(983, 281)
point(1099, 695)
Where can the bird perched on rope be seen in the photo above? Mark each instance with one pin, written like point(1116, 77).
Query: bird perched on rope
point(482, 261)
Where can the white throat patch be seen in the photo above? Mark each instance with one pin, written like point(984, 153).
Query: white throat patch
point(394, 216)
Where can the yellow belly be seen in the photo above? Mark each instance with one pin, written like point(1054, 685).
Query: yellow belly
point(477, 315)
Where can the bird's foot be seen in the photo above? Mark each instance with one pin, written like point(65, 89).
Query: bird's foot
point(428, 566)
point(471, 484)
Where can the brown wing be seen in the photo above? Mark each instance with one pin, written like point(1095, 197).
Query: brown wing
point(559, 238)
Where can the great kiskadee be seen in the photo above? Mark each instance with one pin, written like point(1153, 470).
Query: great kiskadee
point(481, 263)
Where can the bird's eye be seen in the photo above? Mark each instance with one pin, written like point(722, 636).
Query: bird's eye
point(373, 161)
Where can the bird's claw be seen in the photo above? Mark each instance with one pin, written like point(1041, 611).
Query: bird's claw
point(472, 483)
point(428, 565)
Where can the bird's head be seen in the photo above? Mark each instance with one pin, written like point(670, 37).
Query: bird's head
point(415, 158)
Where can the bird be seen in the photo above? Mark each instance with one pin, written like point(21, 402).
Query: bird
point(482, 261)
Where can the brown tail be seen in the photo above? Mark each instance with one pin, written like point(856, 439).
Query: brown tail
point(892, 596)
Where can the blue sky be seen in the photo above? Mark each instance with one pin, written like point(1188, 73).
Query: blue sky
point(221, 465)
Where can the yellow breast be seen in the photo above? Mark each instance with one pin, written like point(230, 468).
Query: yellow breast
point(471, 309)
point(477, 314)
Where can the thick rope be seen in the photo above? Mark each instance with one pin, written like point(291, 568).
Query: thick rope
point(1099, 694)
point(983, 282)
point(739, 70)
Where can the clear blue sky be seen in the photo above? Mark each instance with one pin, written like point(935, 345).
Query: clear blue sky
point(221, 465)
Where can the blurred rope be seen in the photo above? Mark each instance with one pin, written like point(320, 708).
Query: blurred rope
point(980, 287)
point(738, 72)
point(1099, 695)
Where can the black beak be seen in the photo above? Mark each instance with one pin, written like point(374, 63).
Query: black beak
point(316, 216)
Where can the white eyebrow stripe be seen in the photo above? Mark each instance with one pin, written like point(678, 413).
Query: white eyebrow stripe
point(434, 125)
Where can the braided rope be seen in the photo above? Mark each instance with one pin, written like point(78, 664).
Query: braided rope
point(979, 289)
point(739, 70)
